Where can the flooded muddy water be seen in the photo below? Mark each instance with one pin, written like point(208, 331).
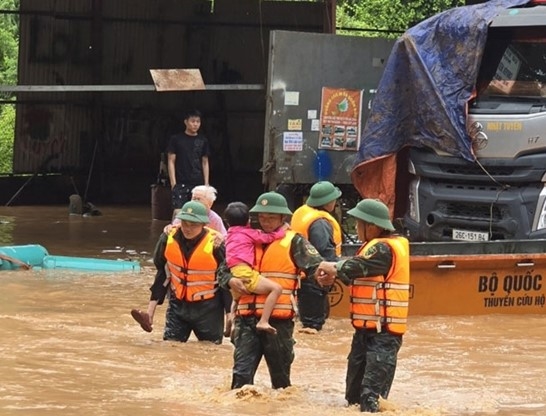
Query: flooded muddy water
point(69, 345)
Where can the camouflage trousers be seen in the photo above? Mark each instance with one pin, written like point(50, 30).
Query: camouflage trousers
point(370, 368)
point(313, 304)
point(204, 318)
point(251, 345)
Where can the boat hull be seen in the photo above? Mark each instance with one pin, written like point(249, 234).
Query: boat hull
point(469, 279)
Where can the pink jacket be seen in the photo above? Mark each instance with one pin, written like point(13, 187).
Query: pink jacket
point(241, 241)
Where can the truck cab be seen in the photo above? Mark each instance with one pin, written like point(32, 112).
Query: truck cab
point(501, 195)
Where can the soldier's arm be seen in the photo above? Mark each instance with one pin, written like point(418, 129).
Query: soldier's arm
point(376, 261)
point(160, 285)
point(305, 256)
point(219, 253)
point(227, 282)
point(223, 275)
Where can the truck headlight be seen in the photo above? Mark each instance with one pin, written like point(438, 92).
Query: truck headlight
point(540, 217)
point(413, 197)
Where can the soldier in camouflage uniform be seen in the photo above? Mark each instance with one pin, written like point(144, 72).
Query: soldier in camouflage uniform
point(379, 279)
point(202, 314)
point(281, 261)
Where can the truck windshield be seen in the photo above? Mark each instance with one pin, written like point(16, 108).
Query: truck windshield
point(513, 64)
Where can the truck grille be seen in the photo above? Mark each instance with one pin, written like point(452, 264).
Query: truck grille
point(475, 170)
point(471, 211)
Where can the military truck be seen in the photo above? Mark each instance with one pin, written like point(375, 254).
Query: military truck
point(502, 194)
point(453, 207)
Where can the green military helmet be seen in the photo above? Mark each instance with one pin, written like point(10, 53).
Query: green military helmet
point(194, 211)
point(373, 211)
point(322, 193)
point(271, 203)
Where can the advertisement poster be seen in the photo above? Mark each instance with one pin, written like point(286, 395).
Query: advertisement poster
point(340, 116)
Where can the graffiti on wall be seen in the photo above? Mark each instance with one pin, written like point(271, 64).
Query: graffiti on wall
point(44, 135)
point(59, 45)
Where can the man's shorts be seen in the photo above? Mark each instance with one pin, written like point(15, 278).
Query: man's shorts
point(181, 194)
point(246, 272)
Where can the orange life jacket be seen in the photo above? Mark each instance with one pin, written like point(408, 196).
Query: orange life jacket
point(192, 279)
point(382, 301)
point(305, 216)
point(276, 264)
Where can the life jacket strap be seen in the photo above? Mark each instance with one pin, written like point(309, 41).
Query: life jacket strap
point(204, 293)
point(280, 275)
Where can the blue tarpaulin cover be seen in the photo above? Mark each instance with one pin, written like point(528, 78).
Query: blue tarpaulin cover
point(422, 96)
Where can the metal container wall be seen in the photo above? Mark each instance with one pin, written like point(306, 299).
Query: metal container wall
point(68, 42)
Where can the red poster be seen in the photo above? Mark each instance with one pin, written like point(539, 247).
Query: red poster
point(340, 116)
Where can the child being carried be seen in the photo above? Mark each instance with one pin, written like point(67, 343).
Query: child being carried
point(241, 241)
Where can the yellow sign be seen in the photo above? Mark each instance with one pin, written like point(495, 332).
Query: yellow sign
point(504, 126)
point(294, 124)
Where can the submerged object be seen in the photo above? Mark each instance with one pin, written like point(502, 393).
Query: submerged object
point(25, 257)
point(36, 256)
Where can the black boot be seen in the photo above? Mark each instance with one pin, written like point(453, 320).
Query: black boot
point(369, 403)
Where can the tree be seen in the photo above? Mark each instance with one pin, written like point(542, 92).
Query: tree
point(386, 18)
point(7, 128)
point(9, 42)
point(9, 51)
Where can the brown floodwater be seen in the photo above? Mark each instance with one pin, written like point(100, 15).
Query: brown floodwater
point(70, 347)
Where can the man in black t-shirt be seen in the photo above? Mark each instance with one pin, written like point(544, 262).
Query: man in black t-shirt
point(188, 160)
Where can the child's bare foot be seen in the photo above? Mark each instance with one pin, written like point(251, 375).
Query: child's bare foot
point(227, 330)
point(264, 326)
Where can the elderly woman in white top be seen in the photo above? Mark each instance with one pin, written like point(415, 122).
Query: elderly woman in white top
point(205, 194)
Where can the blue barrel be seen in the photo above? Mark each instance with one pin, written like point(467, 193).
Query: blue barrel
point(10, 256)
point(90, 264)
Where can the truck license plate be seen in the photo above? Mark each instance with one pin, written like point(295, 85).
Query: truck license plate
point(464, 235)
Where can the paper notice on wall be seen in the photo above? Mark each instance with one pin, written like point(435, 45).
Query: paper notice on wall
point(291, 98)
point(311, 114)
point(315, 125)
point(294, 124)
point(292, 141)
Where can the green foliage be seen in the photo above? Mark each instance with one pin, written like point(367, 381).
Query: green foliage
point(7, 132)
point(386, 18)
point(9, 51)
point(9, 42)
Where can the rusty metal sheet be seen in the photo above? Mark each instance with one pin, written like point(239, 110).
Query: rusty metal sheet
point(177, 79)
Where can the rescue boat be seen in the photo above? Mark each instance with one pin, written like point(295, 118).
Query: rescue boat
point(468, 278)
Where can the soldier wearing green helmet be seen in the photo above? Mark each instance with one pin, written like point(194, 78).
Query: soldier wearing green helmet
point(314, 220)
point(281, 261)
point(378, 277)
point(187, 259)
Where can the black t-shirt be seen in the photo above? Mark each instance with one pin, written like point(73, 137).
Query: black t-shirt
point(189, 151)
